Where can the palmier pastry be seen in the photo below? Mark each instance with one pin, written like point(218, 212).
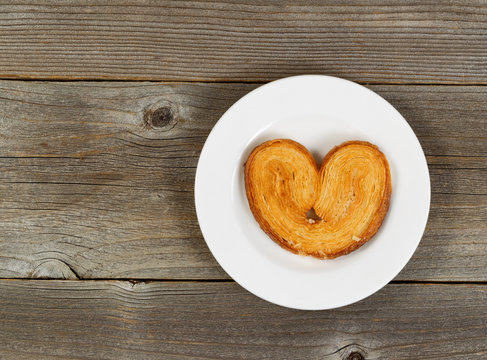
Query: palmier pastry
point(324, 212)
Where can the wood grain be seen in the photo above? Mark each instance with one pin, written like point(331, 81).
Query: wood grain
point(123, 320)
point(375, 42)
point(96, 178)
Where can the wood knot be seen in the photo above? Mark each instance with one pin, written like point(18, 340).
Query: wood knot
point(352, 352)
point(54, 269)
point(161, 118)
point(355, 355)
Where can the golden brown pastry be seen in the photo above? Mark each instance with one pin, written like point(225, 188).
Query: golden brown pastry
point(349, 193)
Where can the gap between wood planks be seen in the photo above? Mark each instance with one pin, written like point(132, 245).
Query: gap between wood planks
point(219, 81)
point(147, 281)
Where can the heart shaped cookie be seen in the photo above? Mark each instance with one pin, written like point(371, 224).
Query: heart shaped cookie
point(324, 212)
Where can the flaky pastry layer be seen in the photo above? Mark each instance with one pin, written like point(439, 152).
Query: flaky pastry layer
point(350, 193)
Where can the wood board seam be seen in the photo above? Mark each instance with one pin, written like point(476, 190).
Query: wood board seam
point(135, 281)
point(220, 81)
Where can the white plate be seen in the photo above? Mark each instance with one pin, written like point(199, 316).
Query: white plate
point(319, 112)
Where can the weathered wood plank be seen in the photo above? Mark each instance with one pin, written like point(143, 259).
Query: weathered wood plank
point(380, 42)
point(95, 184)
point(117, 319)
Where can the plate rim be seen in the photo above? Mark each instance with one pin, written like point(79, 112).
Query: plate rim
point(198, 205)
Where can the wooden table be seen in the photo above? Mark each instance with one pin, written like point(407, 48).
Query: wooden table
point(104, 109)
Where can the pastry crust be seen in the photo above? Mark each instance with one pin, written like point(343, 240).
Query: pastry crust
point(350, 193)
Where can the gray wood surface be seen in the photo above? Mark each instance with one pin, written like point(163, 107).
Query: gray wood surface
point(96, 178)
point(181, 320)
point(375, 41)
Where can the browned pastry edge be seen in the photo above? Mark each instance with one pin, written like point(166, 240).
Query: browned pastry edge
point(264, 225)
point(374, 224)
point(381, 211)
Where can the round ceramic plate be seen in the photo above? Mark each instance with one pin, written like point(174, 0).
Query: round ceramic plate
point(319, 112)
